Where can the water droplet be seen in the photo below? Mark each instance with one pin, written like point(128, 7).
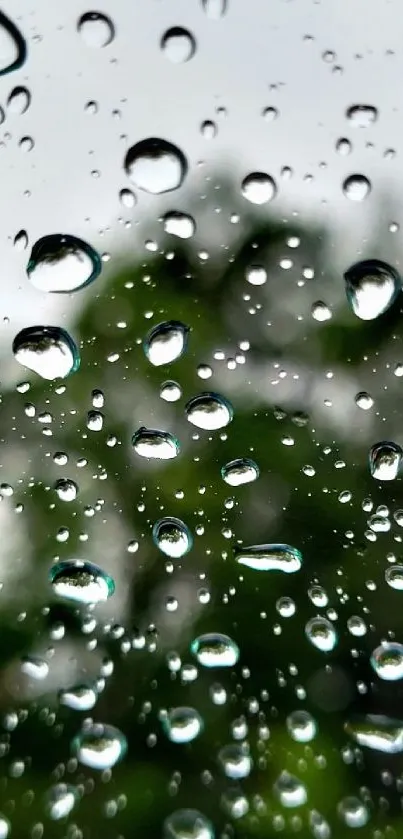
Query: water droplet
point(208, 129)
point(4, 827)
point(364, 400)
point(95, 420)
point(343, 146)
point(209, 411)
point(371, 287)
point(362, 116)
point(170, 391)
point(83, 582)
point(96, 29)
point(387, 661)
point(26, 144)
point(356, 187)
point(19, 100)
point(235, 803)
point(258, 188)
point(394, 577)
point(151, 443)
point(235, 761)
point(172, 537)
point(243, 470)
point(66, 489)
point(166, 342)
point(375, 731)
point(47, 350)
point(178, 45)
point(353, 812)
point(187, 824)
point(35, 667)
point(214, 9)
point(13, 49)
point(62, 263)
point(215, 650)
point(60, 801)
point(182, 725)
point(78, 698)
point(256, 275)
point(301, 726)
point(270, 557)
point(270, 114)
point(322, 634)
point(179, 224)
point(290, 791)
point(384, 461)
point(155, 166)
point(99, 746)
point(21, 240)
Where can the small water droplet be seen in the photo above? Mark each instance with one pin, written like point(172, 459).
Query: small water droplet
point(19, 100)
point(214, 9)
point(156, 166)
point(208, 129)
point(353, 812)
point(375, 731)
point(320, 311)
point(172, 536)
point(356, 187)
point(301, 726)
point(182, 725)
point(151, 443)
point(362, 116)
point(235, 761)
point(96, 29)
point(371, 287)
point(83, 582)
point(99, 746)
point(13, 49)
point(166, 342)
point(364, 400)
point(256, 275)
point(67, 490)
point(259, 188)
point(270, 114)
point(179, 224)
point(78, 697)
point(62, 263)
point(170, 391)
point(270, 557)
point(321, 633)
point(127, 198)
point(387, 661)
point(215, 650)
point(178, 45)
point(47, 350)
point(343, 146)
point(209, 411)
point(60, 801)
point(21, 240)
point(290, 791)
point(187, 824)
point(384, 461)
point(243, 470)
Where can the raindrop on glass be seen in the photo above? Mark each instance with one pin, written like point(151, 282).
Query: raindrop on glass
point(99, 746)
point(80, 581)
point(258, 188)
point(78, 698)
point(301, 726)
point(155, 166)
point(170, 391)
point(270, 557)
point(96, 29)
point(178, 45)
point(172, 537)
point(371, 287)
point(19, 100)
point(378, 732)
point(209, 411)
point(47, 350)
point(214, 9)
point(256, 275)
point(166, 342)
point(182, 725)
point(215, 650)
point(179, 224)
point(356, 187)
point(66, 489)
point(364, 400)
point(290, 791)
point(384, 461)
point(151, 443)
point(322, 634)
point(13, 49)
point(362, 116)
point(243, 470)
point(60, 801)
point(187, 824)
point(387, 661)
point(62, 263)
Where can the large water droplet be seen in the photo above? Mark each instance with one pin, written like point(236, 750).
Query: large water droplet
point(235, 760)
point(179, 224)
point(156, 166)
point(301, 726)
point(187, 824)
point(172, 537)
point(371, 287)
point(78, 698)
point(182, 725)
point(384, 460)
point(387, 661)
point(356, 187)
point(270, 557)
point(213, 649)
point(209, 411)
point(259, 188)
point(62, 263)
point(151, 443)
point(290, 791)
point(47, 350)
point(214, 9)
point(99, 746)
point(243, 470)
point(83, 582)
point(375, 731)
point(166, 342)
point(362, 116)
point(60, 801)
point(19, 100)
point(67, 490)
point(35, 667)
point(178, 45)
point(96, 29)
point(353, 812)
point(364, 400)
point(13, 49)
point(394, 577)
point(322, 634)
point(170, 391)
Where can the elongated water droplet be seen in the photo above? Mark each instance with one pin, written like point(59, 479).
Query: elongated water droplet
point(371, 287)
point(83, 582)
point(356, 187)
point(62, 263)
point(188, 824)
point(182, 725)
point(259, 188)
point(270, 557)
point(290, 791)
point(99, 746)
point(322, 634)
point(78, 698)
point(178, 45)
point(13, 49)
point(179, 224)
point(47, 350)
point(60, 801)
point(166, 342)
point(362, 116)
point(96, 29)
point(172, 537)
point(19, 100)
point(151, 443)
point(387, 661)
point(214, 9)
point(67, 490)
point(384, 460)
point(301, 726)
point(127, 198)
point(156, 166)
point(375, 731)
point(243, 470)
point(209, 411)
point(214, 649)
